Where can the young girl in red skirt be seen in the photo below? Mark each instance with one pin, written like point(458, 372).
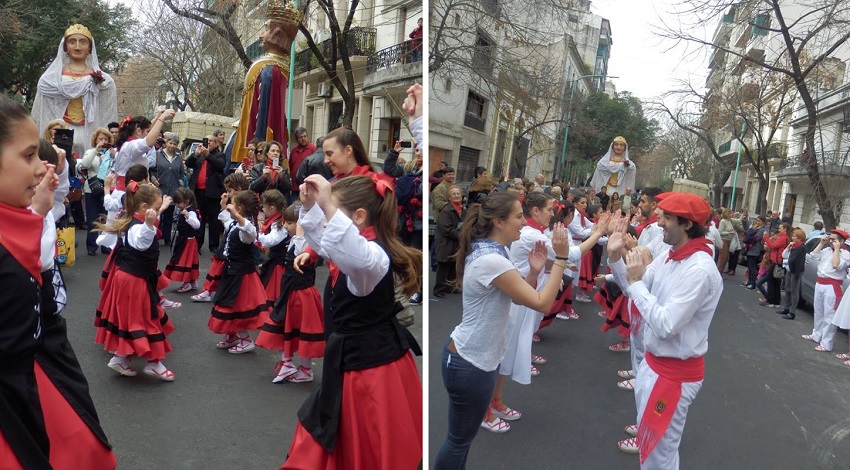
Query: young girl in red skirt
point(47, 417)
point(367, 412)
point(274, 238)
point(240, 303)
point(130, 319)
point(183, 266)
point(233, 183)
point(295, 324)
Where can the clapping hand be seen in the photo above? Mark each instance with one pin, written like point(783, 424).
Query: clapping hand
point(223, 201)
point(560, 241)
point(42, 201)
point(537, 257)
point(599, 280)
point(166, 202)
point(636, 263)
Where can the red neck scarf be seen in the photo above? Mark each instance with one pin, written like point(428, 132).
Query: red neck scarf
point(458, 207)
point(269, 166)
point(533, 224)
point(689, 248)
point(268, 222)
point(796, 244)
point(583, 218)
point(20, 233)
point(369, 234)
point(358, 170)
point(646, 224)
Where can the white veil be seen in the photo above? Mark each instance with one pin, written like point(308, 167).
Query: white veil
point(605, 168)
point(100, 101)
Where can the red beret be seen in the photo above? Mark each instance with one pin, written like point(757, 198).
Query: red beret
point(685, 205)
point(662, 196)
point(841, 233)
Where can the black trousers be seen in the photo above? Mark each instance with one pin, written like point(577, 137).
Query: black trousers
point(166, 222)
point(774, 292)
point(446, 274)
point(753, 268)
point(209, 208)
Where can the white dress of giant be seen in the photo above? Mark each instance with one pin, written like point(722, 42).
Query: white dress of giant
point(616, 176)
point(100, 101)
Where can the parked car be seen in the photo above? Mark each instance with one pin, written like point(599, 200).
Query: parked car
point(810, 275)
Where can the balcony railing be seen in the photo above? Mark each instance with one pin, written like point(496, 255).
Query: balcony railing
point(359, 42)
point(475, 122)
point(407, 52)
point(839, 161)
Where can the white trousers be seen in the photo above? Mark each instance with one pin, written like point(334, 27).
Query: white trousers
point(665, 456)
point(637, 351)
point(824, 331)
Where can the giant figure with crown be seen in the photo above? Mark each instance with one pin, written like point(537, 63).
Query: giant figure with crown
point(75, 89)
point(263, 113)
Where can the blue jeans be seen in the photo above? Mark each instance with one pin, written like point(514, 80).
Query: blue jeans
point(94, 208)
point(760, 283)
point(470, 390)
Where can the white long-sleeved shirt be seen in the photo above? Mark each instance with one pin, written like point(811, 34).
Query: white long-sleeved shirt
point(577, 232)
point(247, 232)
point(131, 153)
point(141, 237)
point(652, 237)
point(824, 259)
point(275, 236)
point(363, 262)
point(192, 219)
point(677, 300)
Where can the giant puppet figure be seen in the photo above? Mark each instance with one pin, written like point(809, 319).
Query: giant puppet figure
point(615, 170)
point(264, 96)
point(75, 89)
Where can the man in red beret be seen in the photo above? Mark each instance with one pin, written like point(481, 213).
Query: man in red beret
point(675, 296)
point(832, 265)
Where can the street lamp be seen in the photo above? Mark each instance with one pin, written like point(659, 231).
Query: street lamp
point(569, 117)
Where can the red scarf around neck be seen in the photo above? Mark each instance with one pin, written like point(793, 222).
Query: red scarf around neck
point(458, 207)
point(357, 171)
point(646, 224)
point(20, 233)
point(267, 224)
point(583, 218)
point(141, 219)
point(333, 270)
point(533, 224)
point(689, 248)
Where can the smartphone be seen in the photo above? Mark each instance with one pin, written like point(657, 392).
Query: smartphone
point(406, 144)
point(106, 146)
point(275, 162)
point(205, 142)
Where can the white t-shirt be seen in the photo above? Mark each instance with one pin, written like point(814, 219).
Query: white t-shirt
point(480, 337)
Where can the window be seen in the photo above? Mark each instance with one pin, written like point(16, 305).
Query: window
point(335, 116)
point(466, 163)
point(476, 112)
point(482, 58)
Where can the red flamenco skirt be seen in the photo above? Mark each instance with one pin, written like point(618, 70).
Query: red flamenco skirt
point(380, 424)
point(557, 307)
point(273, 286)
point(249, 312)
point(186, 267)
point(72, 444)
point(106, 271)
point(303, 330)
point(214, 275)
point(616, 312)
point(124, 322)
point(587, 272)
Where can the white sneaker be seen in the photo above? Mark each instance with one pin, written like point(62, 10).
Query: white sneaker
point(631, 430)
point(416, 299)
point(122, 366)
point(583, 298)
point(202, 297)
point(629, 446)
point(563, 316)
point(626, 385)
point(242, 345)
point(302, 375)
point(286, 369)
point(228, 342)
point(157, 369)
point(626, 374)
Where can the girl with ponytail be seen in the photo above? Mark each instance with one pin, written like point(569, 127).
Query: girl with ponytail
point(130, 319)
point(369, 375)
point(490, 282)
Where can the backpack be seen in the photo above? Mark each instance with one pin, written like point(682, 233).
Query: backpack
point(409, 201)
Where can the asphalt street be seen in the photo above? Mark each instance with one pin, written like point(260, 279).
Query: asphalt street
point(221, 412)
point(769, 401)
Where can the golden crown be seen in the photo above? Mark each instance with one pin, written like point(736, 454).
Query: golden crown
point(78, 29)
point(284, 11)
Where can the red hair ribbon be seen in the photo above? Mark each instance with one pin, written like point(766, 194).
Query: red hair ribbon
point(125, 121)
point(133, 187)
point(382, 183)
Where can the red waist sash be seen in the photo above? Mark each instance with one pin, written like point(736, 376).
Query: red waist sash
point(664, 397)
point(836, 287)
point(121, 183)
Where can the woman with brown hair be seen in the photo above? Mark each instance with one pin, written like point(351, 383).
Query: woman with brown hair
point(446, 242)
point(345, 154)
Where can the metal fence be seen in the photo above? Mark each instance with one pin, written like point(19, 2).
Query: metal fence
point(359, 42)
point(839, 159)
point(406, 52)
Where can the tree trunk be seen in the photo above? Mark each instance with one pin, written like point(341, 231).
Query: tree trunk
point(811, 163)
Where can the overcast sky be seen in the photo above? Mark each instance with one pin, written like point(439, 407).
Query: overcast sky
point(642, 60)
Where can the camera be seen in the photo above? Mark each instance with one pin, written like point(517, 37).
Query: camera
point(64, 139)
point(160, 141)
point(205, 142)
point(406, 144)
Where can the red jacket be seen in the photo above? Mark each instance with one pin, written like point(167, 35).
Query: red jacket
point(296, 156)
point(776, 247)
